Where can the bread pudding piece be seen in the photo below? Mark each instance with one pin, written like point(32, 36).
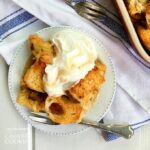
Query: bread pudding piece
point(33, 77)
point(42, 50)
point(63, 110)
point(147, 16)
point(144, 35)
point(32, 99)
point(70, 108)
point(136, 8)
point(87, 89)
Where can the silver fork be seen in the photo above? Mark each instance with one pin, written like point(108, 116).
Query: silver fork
point(123, 130)
point(87, 10)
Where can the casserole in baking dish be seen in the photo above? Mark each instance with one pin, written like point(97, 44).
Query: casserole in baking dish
point(136, 22)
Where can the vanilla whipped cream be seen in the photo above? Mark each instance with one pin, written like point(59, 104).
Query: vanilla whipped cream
point(76, 56)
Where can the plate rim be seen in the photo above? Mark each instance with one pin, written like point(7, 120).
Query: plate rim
point(26, 118)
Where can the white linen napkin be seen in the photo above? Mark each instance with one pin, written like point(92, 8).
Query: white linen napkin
point(131, 103)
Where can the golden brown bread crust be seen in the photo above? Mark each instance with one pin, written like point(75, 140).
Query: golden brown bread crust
point(31, 93)
point(87, 89)
point(147, 16)
point(42, 50)
point(144, 35)
point(33, 78)
point(139, 11)
point(136, 8)
point(32, 99)
point(43, 53)
point(79, 99)
point(63, 110)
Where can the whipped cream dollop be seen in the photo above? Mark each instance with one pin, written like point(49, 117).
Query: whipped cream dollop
point(76, 57)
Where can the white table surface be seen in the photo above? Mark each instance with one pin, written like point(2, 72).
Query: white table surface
point(13, 131)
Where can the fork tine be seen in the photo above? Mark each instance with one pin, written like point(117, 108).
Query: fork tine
point(87, 16)
point(40, 120)
point(82, 9)
point(91, 6)
point(90, 14)
point(91, 17)
point(40, 114)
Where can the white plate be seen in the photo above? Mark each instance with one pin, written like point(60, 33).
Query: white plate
point(99, 109)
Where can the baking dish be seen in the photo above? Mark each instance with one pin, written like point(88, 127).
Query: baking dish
point(134, 39)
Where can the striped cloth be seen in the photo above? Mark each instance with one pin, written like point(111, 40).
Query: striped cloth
point(19, 19)
point(16, 23)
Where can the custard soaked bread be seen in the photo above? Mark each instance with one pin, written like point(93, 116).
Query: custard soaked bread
point(33, 78)
point(144, 35)
point(72, 83)
point(63, 109)
point(42, 50)
point(139, 11)
point(87, 89)
point(32, 99)
point(43, 53)
point(79, 99)
point(136, 8)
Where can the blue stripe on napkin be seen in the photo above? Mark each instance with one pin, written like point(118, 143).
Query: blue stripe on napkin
point(11, 14)
point(135, 124)
point(20, 28)
point(21, 18)
point(109, 136)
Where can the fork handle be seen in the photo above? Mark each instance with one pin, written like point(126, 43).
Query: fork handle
point(125, 131)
